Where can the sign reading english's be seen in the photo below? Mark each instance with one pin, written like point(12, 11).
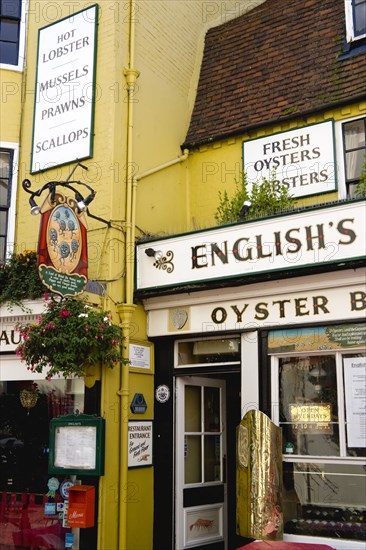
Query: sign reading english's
point(314, 237)
point(302, 159)
point(65, 87)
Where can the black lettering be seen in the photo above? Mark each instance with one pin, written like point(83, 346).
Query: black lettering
point(282, 306)
point(348, 232)
point(319, 302)
point(236, 254)
point(219, 253)
point(4, 337)
point(300, 304)
point(261, 311)
point(260, 254)
point(219, 315)
point(292, 240)
point(239, 314)
point(196, 257)
point(319, 236)
point(358, 300)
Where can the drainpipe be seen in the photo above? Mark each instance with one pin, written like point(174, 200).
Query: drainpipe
point(139, 177)
point(125, 310)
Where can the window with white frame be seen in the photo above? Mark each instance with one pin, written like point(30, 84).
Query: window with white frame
point(6, 172)
point(319, 402)
point(355, 19)
point(354, 148)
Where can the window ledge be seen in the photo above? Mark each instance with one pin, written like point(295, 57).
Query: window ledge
point(350, 49)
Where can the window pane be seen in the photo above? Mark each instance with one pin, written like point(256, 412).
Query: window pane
point(9, 31)
point(2, 249)
point(223, 350)
point(212, 457)
point(324, 500)
point(212, 409)
point(354, 134)
point(192, 459)
point(4, 164)
point(354, 372)
point(360, 17)
point(3, 221)
point(8, 53)
point(192, 421)
point(308, 405)
point(354, 163)
point(3, 192)
point(10, 8)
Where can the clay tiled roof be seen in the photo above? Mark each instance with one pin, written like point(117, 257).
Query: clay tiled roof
point(281, 60)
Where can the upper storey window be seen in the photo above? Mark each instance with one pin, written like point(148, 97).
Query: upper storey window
point(355, 19)
point(10, 31)
point(354, 140)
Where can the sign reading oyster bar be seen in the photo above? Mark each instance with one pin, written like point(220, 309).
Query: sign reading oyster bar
point(64, 102)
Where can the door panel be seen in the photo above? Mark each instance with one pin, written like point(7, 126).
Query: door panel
point(200, 488)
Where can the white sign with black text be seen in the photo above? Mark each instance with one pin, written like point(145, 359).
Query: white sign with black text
point(302, 159)
point(140, 440)
point(355, 390)
point(64, 100)
point(316, 236)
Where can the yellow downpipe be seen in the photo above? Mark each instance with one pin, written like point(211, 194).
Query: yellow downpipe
point(125, 310)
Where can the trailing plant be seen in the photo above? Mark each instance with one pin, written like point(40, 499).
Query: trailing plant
point(267, 197)
point(360, 191)
point(19, 279)
point(69, 337)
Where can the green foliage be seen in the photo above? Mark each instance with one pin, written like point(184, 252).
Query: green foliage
point(69, 337)
point(19, 279)
point(268, 197)
point(360, 191)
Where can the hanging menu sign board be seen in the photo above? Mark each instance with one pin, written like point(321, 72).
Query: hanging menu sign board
point(65, 89)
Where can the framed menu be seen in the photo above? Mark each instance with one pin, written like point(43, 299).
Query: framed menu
point(77, 445)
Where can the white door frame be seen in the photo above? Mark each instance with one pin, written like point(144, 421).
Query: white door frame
point(221, 510)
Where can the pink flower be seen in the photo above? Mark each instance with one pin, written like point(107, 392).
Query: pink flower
point(64, 313)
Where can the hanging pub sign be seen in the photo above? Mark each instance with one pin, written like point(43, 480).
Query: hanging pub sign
point(62, 246)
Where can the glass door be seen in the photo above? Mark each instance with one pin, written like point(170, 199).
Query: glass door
point(200, 484)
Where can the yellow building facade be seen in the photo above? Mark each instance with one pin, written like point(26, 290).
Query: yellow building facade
point(146, 62)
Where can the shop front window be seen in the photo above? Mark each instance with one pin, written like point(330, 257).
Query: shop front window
point(30, 504)
point(308, 401)
point(319, 381)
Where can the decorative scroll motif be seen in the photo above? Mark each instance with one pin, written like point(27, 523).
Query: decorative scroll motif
point(259, 478)
point(165, 262)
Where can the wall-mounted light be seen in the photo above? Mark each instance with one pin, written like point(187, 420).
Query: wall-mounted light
point(157, 254)
point(51, 187)
point(84, 203)
point(244, 209)
point(35, 209)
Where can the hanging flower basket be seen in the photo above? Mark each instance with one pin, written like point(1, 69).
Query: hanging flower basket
point(69, 337)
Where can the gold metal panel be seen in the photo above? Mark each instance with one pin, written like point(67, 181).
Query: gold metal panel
point(259, 478)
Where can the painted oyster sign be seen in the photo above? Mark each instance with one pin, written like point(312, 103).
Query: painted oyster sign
point(62, 246)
